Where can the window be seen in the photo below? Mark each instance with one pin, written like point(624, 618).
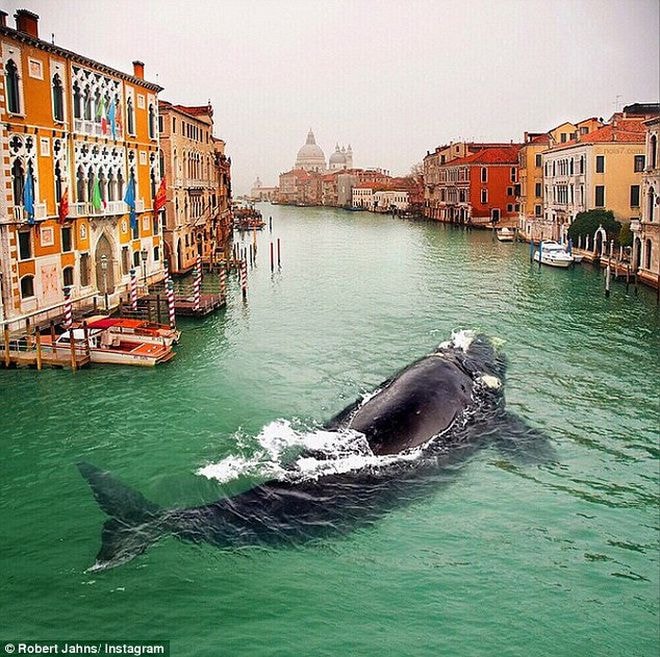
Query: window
point(538, 190)
point(581, 163)
point(155, 224)
point(67, 276)
point(84, 269)
point(509, 207)
point(24, 244)
point(136, 229)
point(160, 124)
point(13, 94)
point(484, 174)
point(136, 259)
point(484, 196)
point(156, 253)
point(600, 164)
point(634, 196)
point(87, 105)
point(654, 151)
point(152, 122)
point(77, 101)
point(509, 191)
point(58, 98)
point(538, 210)
point(564, 137)
point(538, 160)
point(66, 239)
point(639, 163)
point(18, 181)
point(600, 196)
point(584, 130)
point(130, 117)
point(514, 173)
point(27, 287)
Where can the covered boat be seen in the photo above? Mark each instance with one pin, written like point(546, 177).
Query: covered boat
point(142, 330)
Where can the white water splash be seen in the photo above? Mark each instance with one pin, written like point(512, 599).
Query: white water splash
point(460, 339)
point(332, 452)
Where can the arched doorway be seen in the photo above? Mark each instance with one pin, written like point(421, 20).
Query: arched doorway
point(647, 255)
point(600, 238)
point(637, 254)
point(105, 276)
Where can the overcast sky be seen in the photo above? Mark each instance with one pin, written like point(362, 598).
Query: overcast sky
point(394, 78)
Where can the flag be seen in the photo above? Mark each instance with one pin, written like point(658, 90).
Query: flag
point(161, 196)
point(28, 196)
point(97, 203)
point(111, 118)
point(63, 207)
point(102, 115)
point(129, 199)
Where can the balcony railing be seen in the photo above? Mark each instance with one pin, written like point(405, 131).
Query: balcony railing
point(39, 212)
point(111, 208)
point(93, 128)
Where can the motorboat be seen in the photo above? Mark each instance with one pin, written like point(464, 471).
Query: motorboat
point(132, 329)
point(553, 254)
point(505, 234)
point(110, 348)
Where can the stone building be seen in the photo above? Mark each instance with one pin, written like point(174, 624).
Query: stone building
point(198, 185)
point(646, 241)
point(79, 140)
point(261, 193)
point(310, 156)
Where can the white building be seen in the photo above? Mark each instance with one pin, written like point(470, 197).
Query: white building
point(388, 200)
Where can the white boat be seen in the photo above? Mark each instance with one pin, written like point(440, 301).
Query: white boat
point(505, 234)
point(106, 347)
point(553, 254)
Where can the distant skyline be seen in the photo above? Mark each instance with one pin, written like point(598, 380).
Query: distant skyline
point(394, 79)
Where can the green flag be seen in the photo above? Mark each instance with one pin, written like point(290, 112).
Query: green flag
point(97, 202)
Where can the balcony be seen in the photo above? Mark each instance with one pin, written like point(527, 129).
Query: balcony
point(85, 127)
point(635, 226)
point(40, 213)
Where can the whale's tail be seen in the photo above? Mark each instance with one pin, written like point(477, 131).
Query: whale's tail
point(134, 522)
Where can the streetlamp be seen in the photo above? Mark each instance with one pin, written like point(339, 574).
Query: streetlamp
point(144, 254)
point(104, 270)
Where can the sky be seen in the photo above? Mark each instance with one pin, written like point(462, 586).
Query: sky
point(393, 78)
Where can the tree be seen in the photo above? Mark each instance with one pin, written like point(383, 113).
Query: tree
point(587, 223)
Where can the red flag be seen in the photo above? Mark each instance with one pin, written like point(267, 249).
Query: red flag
point(161, 196)
point(63, 207)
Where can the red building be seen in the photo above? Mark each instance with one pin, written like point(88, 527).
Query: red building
point(480, 188)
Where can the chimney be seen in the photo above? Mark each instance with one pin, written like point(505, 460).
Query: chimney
point(27, 22)
point(3, 18)
point(138, 69)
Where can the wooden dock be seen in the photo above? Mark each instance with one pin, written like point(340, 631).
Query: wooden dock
point(208, 303)
point(39, 357)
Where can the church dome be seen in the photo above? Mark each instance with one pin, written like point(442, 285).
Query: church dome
point(338, 157)
point(310, 156)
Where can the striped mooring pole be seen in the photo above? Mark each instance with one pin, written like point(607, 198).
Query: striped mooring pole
point(68, 307)
point(223, 281)
point(197, 283)
point(134, 289)
point(244, 279)
point(170, 302)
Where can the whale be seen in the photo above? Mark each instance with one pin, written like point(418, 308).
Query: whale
point(414, 427)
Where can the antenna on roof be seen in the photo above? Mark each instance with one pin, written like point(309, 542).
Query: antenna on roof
point(52, 38)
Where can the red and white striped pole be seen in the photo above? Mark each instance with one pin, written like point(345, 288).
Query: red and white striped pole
point(170, 302)
point(197, 284)
point(134, 289)
point(223, 282)
point(243, 275)
point(68, 308)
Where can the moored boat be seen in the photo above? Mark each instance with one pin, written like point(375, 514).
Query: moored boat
point(505, 234)
point(141, 330)
point(108, 348)
point(553, 254)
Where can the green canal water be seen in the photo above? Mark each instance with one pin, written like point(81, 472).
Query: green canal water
point(504, 556)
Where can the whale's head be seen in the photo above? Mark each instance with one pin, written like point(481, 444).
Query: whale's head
point(479, 356)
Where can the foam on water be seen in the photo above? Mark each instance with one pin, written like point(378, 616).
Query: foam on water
point(460, 339)
point(333, 452)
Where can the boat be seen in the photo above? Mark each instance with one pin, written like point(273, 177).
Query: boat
point(505, 234)
point(110, 348)
point(553, 254)
point(139, 329)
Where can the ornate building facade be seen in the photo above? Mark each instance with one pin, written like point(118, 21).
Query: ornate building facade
point(197, 212)
point(79, 140)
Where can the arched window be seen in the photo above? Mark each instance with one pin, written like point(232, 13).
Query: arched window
point(97, 105)
point(13, 95)
point(152, 177)
point(58, 183)
point(654, 152)
point(152, 122)
point(647, 255)
point(112, 187)
point(80, 184)
point(103, 186)
point(90, 184)
point(77, 101)
point(58, 98)
point(130, 117)
point(18, 181)
point(161, 163)
point(67, 276)
point(120, 186)
point(651, 204)
point(87, 105)
point(27, 287)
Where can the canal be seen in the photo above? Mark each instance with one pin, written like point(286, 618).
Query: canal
point(504, 556)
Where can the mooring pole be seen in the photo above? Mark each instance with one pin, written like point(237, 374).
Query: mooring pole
point(607, 279)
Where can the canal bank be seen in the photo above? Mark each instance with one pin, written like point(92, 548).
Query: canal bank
point(500, 557)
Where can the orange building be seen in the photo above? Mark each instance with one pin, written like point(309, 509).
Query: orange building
point(78, 138)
